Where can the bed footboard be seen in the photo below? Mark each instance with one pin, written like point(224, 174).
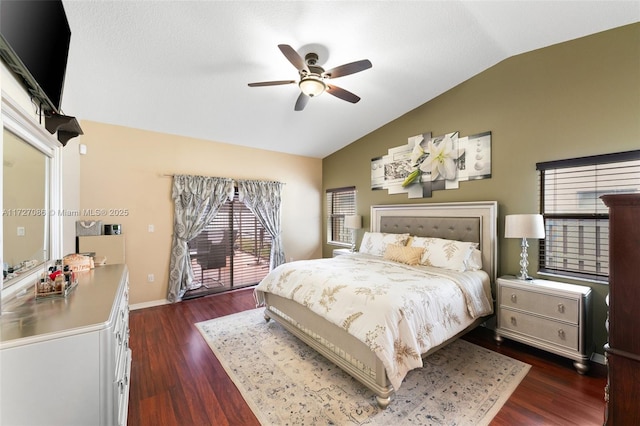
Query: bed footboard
point(339, 347)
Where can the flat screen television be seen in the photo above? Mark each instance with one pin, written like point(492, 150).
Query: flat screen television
point(34, 42)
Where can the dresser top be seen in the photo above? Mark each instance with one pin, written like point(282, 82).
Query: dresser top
point(90, 306)
point(540, 285)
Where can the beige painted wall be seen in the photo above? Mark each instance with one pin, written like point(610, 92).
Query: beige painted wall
point(126, 168)
point(573, 99)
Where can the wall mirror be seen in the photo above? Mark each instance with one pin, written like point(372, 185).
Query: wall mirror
point(30, 195)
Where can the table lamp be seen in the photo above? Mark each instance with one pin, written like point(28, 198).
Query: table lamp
point(353, 222)
point(524, 226)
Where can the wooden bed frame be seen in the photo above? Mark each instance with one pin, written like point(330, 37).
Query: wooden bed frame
point(470, 221)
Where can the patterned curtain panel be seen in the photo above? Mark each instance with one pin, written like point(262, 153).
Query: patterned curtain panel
point(197, 200)
point(264, 200)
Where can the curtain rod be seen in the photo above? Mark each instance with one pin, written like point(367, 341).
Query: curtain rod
point(166, 175)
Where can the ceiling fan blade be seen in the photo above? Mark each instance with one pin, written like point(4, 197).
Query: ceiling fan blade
point(347, 69)
point(345, 95)
point(271, 83)
point(301, 102)
point(293, 57)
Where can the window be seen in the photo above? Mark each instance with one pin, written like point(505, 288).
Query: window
point(341, 202)
point(576, 220)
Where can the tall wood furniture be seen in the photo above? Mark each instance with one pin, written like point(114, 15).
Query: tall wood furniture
point(67, 361)
point(623, 348)
point(548, 315)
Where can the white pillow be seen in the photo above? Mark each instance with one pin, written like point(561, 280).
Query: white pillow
point(448, 254)
point(375, 243)
point(474, 262)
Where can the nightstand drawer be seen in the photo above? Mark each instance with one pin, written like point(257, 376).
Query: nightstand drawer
point(558, 333)
point(549, 305)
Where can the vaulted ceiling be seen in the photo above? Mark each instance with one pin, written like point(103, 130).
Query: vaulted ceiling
point(182, 67)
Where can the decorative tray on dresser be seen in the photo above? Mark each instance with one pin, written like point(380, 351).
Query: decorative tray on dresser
point(548, 315)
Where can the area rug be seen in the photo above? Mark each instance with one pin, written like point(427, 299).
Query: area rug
point(285, 382)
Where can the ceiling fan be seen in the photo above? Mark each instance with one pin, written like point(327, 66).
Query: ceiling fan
point(314, 79)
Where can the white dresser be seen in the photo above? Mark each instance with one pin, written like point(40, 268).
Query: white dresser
point(548, 315)
point(67, 361)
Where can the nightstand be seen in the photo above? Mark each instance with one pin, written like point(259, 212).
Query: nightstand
point(546, 314)
point(338, 252)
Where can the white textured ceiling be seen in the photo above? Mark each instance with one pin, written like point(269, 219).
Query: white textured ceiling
point(182, 67)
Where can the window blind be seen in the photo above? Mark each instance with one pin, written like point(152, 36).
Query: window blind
point(341, 202)
point(247, 251)
point(576, 220)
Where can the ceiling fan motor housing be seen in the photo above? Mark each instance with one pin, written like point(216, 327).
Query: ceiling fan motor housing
point(311, 59)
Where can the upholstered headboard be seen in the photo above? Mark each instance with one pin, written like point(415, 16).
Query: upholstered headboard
point(451, 228)
point(472, 222)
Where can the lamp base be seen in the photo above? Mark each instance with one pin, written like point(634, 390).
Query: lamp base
point(524, 277)
point(353, 241)
point(524, 261)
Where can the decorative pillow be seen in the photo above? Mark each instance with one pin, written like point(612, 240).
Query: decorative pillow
point(403, 254)
point(474, 262)
point(375, 243)
point(447, 254)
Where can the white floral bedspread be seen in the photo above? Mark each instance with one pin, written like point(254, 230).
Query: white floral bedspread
point(399, 311)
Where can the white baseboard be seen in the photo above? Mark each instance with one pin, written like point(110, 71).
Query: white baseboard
point(149, 304)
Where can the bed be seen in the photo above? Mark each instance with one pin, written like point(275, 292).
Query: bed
point(345, 315)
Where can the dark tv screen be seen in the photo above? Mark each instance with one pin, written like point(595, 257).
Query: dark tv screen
point(39, 35)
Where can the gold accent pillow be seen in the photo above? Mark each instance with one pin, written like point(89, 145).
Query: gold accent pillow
point(403, 254)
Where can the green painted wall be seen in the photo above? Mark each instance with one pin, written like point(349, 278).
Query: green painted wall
point(572, 99)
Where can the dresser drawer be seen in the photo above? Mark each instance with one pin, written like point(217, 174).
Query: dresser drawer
point(561, 334)
point(121, 389)
point(549, 305)
point(121, 330)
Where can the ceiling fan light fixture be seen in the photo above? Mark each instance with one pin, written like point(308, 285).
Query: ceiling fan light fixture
point(312, 86)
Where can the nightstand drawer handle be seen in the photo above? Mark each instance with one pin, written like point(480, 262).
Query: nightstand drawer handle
point(561, 308)
point(513, 321)
point(514, 298)
point(561, 334)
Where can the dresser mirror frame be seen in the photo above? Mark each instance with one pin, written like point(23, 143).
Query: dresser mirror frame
point(18, 122)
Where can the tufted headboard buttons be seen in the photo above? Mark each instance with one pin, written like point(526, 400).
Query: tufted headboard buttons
point(451, 228)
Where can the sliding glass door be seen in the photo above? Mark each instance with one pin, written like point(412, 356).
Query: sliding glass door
point(231, 252)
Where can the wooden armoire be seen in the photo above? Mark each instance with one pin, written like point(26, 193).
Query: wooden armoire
point(623, 347)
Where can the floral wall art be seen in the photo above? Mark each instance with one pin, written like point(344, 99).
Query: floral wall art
point(429, 164)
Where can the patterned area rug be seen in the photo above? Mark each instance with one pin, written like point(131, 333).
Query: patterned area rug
point(285, 382)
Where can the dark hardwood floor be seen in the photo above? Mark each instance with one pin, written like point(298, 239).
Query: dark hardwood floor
point(176, 379)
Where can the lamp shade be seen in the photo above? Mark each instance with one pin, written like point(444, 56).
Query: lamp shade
point(524, 226)
point(312, 86)
point(353, 222)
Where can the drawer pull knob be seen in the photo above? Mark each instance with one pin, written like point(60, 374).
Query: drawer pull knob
point(513, 321)
point(561, 334)
point(561, 308)
point(514, 298)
